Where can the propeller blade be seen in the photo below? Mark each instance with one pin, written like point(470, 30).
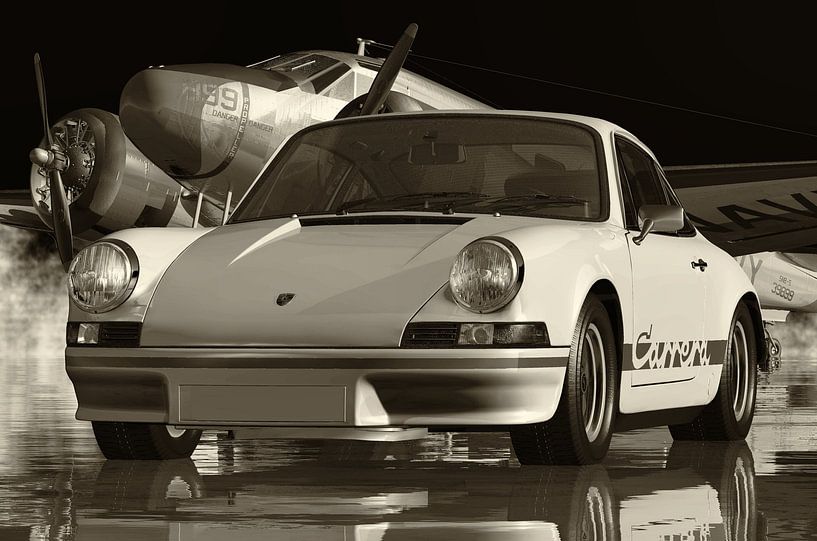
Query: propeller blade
point(60, 214)
point(38, 73)
point(62, 219)
point(388, 72)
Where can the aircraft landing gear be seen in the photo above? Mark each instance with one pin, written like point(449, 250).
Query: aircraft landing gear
point(773, 351)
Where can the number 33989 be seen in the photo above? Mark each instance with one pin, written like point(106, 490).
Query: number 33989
point(783, 291)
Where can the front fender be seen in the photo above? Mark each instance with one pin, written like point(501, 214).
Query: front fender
point(727, 285)
point(561, 266)
point(156, 248)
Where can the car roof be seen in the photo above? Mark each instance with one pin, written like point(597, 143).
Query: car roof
point(604, 127)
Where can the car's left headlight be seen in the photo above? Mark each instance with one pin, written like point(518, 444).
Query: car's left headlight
point(103, 275)
point(486, 275)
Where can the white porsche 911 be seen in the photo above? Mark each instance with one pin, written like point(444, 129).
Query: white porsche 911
point(527, 272)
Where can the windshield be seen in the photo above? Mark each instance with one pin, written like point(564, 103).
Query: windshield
point(434, 163)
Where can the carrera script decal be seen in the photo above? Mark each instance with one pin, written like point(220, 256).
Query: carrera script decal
point(681, 354)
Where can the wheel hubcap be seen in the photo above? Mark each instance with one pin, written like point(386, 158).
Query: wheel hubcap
point(593, 382)
point(739, 353)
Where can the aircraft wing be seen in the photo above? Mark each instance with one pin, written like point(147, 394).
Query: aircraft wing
point(17, 210)
point(751, 208)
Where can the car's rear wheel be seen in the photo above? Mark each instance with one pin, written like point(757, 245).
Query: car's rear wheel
point(581, 428)
point(143, 441)
point(729, 416)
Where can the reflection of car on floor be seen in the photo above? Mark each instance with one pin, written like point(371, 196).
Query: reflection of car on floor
point(525, 270)
point(706, 491)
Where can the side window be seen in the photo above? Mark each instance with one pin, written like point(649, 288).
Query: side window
point(642, 178)
point(630, 212)
point(665, 184)
point(343, 88)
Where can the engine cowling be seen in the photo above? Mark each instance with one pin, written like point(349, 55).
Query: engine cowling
point(109, 183)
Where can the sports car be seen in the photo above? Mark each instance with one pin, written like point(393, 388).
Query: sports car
point(529, 272)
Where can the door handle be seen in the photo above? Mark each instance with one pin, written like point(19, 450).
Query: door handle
point(700, 264)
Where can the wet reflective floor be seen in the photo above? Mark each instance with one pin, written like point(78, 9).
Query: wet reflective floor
point(54, 484)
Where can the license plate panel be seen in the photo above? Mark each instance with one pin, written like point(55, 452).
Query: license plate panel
point(263, 403)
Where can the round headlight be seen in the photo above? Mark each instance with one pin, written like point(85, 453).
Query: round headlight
point(102, 276)
point(486, 275)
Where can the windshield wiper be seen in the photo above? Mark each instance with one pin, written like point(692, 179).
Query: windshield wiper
point(422, 198)
point(537, 199)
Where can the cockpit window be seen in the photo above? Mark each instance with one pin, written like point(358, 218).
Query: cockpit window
point(279, 60)
point(315, 70)
point(436, 163)
point(298, 65)
point(343, 88)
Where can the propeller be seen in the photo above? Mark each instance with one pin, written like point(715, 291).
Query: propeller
point(53, 161)
point(381, 86)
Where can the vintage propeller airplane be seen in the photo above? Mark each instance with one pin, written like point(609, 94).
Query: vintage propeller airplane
point(190, 139)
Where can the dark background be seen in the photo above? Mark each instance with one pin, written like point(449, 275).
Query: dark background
point(758, 66)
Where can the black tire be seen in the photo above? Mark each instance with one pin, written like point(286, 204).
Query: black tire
point(564, 439)
point(143, 441)
point(721, 419)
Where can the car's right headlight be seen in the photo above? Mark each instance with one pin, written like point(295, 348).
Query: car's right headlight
point(103, 275)
point(486, 275)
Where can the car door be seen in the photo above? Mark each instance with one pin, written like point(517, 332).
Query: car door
point(669, 293)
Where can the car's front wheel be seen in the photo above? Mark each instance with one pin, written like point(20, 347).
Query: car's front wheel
point(581, 429)
point(143, 441)
point(729, 416)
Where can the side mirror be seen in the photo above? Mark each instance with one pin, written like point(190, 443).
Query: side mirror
point(659, 218)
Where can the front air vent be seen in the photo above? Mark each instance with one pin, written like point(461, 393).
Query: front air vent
point(112, 334)
point(431, 335)
point(120, 334)
point(388, 219)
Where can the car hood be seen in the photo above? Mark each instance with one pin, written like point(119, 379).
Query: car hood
point(356, 281)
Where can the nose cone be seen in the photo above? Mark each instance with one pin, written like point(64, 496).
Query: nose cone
point(40, 157)
point(185, 118)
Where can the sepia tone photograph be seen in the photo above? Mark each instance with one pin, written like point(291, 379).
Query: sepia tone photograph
point(368, 272)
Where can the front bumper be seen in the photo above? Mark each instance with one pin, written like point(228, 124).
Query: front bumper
point(230, 387)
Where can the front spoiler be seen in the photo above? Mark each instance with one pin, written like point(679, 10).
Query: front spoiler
point(232, 387)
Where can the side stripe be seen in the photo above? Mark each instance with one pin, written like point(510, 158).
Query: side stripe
point(658, 355)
